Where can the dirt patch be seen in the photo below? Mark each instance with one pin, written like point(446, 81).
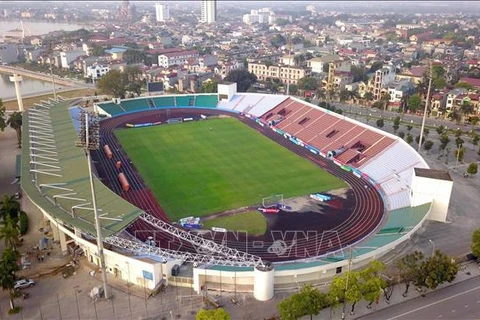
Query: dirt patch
point(307, 204)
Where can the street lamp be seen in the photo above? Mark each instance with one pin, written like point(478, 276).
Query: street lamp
point(89, 139)
point(433, 244)
point(430, 76)
point(458, 155)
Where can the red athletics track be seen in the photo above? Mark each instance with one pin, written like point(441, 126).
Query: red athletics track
point(366, 215)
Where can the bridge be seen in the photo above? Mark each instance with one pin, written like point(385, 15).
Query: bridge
point(39, 76)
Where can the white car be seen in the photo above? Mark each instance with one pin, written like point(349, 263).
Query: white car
point(24, 283)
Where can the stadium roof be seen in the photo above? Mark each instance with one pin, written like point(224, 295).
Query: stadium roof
point(62, 188)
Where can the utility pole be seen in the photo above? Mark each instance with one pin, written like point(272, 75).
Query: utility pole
point(89, 139)
point(430, 76)
point(346, 284)
point(289, 46)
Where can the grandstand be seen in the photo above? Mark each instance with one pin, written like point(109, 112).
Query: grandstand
point(369, 156)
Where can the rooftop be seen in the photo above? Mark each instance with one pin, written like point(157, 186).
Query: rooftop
point(433, 174)
point(64, 192)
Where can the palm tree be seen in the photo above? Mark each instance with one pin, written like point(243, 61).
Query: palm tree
point(8, 267)
point(466, 108)
point(368, 96)
point(421, 87)
point(9, 208)
point(10, 233)
point(15, 122)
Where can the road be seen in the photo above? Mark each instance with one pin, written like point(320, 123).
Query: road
point(459, 301)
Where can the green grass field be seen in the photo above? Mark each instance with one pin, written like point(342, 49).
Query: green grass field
point(203, 167)
point(253, 222)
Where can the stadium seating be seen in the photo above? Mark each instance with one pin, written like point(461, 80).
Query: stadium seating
point(134, 105)
point(185, 101)
point(112, 108)
point(207, 101)
point(162, 102)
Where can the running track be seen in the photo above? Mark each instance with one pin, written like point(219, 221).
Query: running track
point(363, 220)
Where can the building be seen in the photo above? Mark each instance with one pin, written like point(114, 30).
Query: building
point(383, 77)
point(97, 71)
point(67, 57)
point(169, 59)
point(283, 73)
point(261, 16)
point(162, 12)
point(320, 64)
point(8, 53)
point(399, 91)
point(209, 11)
point(340, 81)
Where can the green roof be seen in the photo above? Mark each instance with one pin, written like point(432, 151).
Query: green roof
point(74, 176)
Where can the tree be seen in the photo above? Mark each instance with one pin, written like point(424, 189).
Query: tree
point(135, 87)
point(409, 138)
point(466, 108)
point(444, 141)
point(209, 86)
point(440, 129)
point(313, 300)
point(8, 267)
point(476, 243)
point(437, 269)
point(3, 124)
point(372, 284)
point(9, 208)
point(380, 123)
point(292, 307)
point(463, 84)
point(401, 134)
point(378, 105)
point(344, 95)
point(414, 102)
point(377, 65)
point(409, 128)
point(9, 233)
point(460, 153)
point(396, 124)
point(308, 83)
point(23, 223)
point(113, 83)
point(278, 40)
point(408, 267)
point(472, 168)
point(134, 56)
point(417, 140)
point(15, 122)
point(428, 145)
point(368, 96)
point(340, 292)
point(242, 77)
point(459, 141)
point(217, 314)
point(475, 139)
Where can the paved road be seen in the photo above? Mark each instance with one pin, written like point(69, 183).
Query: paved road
point(459, 301)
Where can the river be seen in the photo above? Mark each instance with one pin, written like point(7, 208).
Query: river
point(30, 86)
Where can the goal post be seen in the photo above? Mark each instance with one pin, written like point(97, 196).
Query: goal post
point(272, 201)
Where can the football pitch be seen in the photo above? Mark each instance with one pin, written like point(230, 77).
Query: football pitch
point(202, 167)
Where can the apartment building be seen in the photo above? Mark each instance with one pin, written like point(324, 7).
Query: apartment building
point(169, 59)
point(283, 73)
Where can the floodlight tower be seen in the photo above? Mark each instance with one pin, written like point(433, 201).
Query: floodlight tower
point(17, 79)
point(89, 139)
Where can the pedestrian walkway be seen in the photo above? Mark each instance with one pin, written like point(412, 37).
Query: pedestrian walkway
point(466, 272)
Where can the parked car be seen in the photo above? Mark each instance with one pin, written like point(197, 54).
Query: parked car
point(24, 283)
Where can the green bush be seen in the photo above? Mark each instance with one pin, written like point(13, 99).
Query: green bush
point(23, 218)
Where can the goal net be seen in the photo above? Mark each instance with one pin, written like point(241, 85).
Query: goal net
point(272, 201)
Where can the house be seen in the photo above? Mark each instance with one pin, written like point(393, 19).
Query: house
point(319, 64)
point(340, 80)
point(176, 58)
point(67, 57)
point(97, 71)
point(382, 78)
point(414, 74)
point(399, 91)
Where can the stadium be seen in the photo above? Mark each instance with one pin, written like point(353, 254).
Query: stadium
point(335, 193)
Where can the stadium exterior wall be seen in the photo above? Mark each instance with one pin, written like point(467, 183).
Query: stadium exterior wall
point(294, 277)
point(141, 271)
